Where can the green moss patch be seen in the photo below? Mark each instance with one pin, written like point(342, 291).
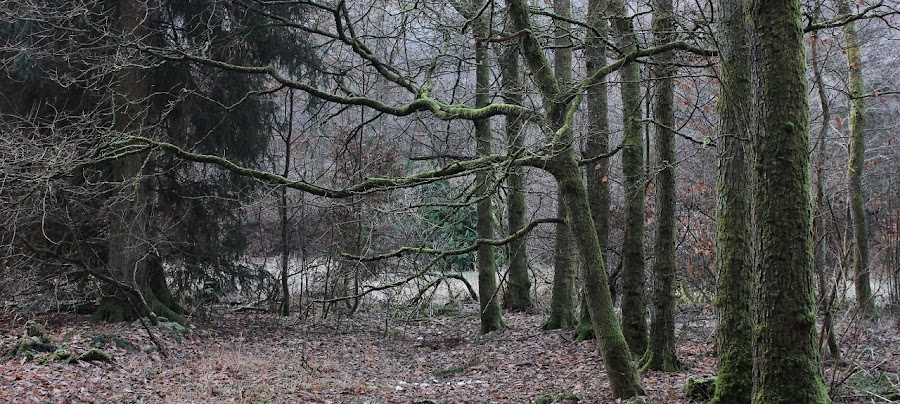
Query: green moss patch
point(700, 389)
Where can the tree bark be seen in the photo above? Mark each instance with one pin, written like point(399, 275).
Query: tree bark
point(597, 174)
point(660, 354)
point(489, 302)
point(785, 354)
point(733, 210)
point(855, 167)
point(619, 366)
point(518, 290)
point(139, 291)
point(562, 303)
point(634, 311)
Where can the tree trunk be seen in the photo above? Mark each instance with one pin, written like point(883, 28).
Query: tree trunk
point(597, 174)
point(129, 253)
point(518, 290)
point(283, 214)
point(785, 355)
point(733, 210)
point(619, 366)
point(562, 304)
point(487, 271)
point(634, 311)
point(819, 230)
point(855, 166)
point(660, 354)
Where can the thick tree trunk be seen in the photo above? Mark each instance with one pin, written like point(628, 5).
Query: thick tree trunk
point(597, 174)
point(487, 271)
point(141, 289)
point(518, 290)
point(660, 353)
point(634, 310)
point(855, 166)
point(733, 210)
point(785, 354)
point(562, 304)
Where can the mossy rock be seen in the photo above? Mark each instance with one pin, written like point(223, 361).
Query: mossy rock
point(35, 329)
point(562, 398)
point(544, 400)
point(33, 344)
point(173, 326)
point(700, 389)
point(95, 355)
point(60, 355)
point(101, 341)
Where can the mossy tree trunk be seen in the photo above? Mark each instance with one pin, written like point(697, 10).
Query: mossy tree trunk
point(140, 288)
point(786, 365)
point(518, 290)
point(660, 354)
point(562, 303)
point(855, 166)
point(819, 230)
point(491, 318)
point(597, 143)
point(619, 365)
point(733, 210)
point(634, 310)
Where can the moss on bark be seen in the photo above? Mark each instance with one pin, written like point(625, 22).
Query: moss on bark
point(597, 144)
point(661, 354)
point(491, 318)
point(634, 310)
point(785, 350)
point(518, 290)
point(620, 368)
point(562, 305)
point(855, 166)
point(734, 260)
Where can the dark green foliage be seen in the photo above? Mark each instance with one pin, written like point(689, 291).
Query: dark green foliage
point(195, 217)
point(454, 225)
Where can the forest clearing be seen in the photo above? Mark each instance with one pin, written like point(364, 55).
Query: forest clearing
point(260, 358)
point(426, 201)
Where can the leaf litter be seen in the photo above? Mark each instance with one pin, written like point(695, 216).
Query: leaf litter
point(262, 358)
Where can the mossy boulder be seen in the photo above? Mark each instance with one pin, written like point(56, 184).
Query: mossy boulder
point(34, 344)
point(562, 398)
point(95, 355)
point(60, 355)
point(36, 330)
point(700, 389)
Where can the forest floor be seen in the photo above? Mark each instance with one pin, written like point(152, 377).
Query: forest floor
point(371, 358)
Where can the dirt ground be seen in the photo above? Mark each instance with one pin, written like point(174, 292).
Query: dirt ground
point(376, 358)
